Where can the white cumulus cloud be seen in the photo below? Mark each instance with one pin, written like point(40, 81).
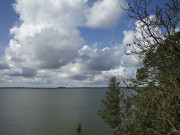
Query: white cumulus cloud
point(104, 13)
point(47, 36)
point(47, 49)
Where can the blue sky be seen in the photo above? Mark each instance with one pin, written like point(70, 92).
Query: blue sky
point(8, 18)
point(50, 43)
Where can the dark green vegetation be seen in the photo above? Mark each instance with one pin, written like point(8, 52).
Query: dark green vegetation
point(78, 129)
point(110, 110)
point(157, 104)
point(116, 108)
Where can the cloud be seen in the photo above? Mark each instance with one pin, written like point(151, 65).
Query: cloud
point(130, 61)
point(104, 13)
point(105, 59)
point(79, 77)
point(140, 39)
point(99, 60)
point(100, 65)
point(47, 49)
point(4, 65)
point(48, 36)
point(24, 72)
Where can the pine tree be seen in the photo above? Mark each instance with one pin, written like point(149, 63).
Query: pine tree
point(110, 108)
point(116, 108)
point(78, 129)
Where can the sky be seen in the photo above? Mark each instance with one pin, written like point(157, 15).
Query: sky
point(71, 43)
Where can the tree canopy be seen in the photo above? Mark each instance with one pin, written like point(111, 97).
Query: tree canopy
point(158, 47)
point(158, 102)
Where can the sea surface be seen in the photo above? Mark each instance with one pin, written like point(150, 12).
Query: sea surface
point(51, 111)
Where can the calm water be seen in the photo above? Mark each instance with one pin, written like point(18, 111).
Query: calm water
point(50, 111)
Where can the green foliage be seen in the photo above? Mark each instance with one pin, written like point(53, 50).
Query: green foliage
point(162, 65)
point(157, 110)
point(116, 108)
point(110, 109)
point(78, 129)
point(158, 104)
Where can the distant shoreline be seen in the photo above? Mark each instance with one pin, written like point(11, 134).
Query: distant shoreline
point(57, 87)
point(51, 87)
